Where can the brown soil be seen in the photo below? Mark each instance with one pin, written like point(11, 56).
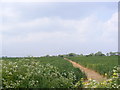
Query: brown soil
point(91, 74)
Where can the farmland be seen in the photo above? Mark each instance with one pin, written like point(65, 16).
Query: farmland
point(44, 72)
point(55, 72)
point(102, 64)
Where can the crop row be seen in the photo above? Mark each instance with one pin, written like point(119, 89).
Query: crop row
point(52, 72)
point(102, 64)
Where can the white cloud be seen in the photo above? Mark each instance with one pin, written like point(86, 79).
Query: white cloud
point(54, 23)
point(35, 37)
point(112, 24)
point(110, 33)
point(68, 34)
point(49, 27)
point(9, 16)
point(85, 30)
point(9, 12)
point(52, 33)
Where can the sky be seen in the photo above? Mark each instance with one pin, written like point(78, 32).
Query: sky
point(41, 28)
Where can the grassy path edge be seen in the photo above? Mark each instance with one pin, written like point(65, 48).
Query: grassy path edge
point(91, 74)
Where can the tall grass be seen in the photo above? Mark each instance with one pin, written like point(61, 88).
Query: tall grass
point(102, 64)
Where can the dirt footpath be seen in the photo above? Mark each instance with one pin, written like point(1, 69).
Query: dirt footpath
point(91, 74)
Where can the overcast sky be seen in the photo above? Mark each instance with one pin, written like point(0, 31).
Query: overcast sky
point(58, 28)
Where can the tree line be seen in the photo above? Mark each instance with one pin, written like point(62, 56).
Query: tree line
point(99, 53)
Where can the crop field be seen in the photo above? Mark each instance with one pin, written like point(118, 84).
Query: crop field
point(44, 72)
point(55, 72)
point(102, 64)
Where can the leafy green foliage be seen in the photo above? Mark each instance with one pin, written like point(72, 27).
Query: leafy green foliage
point(112, 82)
point(101, 64)
point(55, 72)
point(44, 72)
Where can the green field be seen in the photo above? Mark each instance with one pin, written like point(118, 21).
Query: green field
point(102, 64)
point(44, 72)
point(55, 72)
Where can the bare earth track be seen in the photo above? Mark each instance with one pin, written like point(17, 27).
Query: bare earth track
point(91, 74)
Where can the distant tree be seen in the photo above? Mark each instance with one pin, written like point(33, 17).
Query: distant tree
point(47, 56)
point(87, 55)
point(99, 53)
point(91, 54)
point(107, 54)
point(71, 54)
point(112, 53)
point(53, 56)
point(4, 56)
point(60, 55)
point(102, 54)
point(81, 55)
